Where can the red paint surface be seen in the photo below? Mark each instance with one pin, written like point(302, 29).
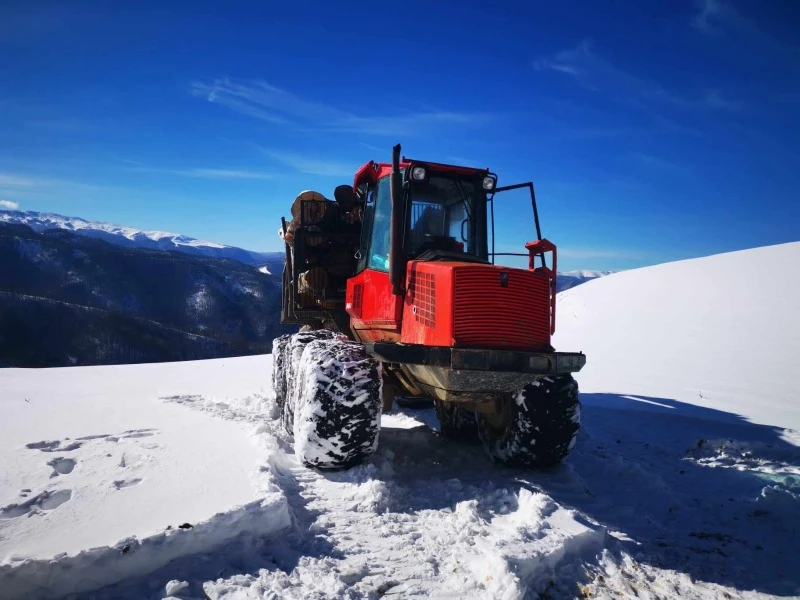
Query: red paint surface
point(377, 312)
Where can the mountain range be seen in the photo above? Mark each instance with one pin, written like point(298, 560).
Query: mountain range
point(129, 237)
point(79, 292)
point(68, 299)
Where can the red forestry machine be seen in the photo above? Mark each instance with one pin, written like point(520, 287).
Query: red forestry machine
point(396, 288)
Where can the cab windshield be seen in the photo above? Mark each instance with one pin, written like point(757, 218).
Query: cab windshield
point(448, 212)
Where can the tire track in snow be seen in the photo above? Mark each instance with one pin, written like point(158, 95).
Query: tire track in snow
point(423, 518)
point(429, 518)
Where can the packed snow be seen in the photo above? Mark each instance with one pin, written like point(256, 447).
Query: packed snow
point(179, 480)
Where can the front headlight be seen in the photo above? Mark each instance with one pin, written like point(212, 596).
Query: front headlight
point(418, 173)
point(489, 183)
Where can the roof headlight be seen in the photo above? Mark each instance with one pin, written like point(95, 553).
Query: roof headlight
point(418, 173)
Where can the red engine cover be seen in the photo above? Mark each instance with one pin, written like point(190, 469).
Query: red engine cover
point(476, 305)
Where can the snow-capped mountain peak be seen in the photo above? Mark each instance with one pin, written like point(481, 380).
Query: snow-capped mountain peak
point(45, 221)
point(129, 236)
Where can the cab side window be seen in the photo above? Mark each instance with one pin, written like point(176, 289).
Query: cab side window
point(366, 228)
point(378, 253)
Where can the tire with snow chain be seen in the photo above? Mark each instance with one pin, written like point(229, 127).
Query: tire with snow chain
point(456, 423)
point(540, 427)
point(292, 354)
point(338, 410)
point(279, 368)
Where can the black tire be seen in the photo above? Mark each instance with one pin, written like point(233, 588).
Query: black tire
point(541, 426)
point(279, 368)
point(292, 354)
point(338, 407)
point(455, 423)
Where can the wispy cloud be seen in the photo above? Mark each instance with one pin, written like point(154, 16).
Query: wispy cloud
point(591, 70)
point(16, 180)
point(30, 185)
point(393, 125)
point(708, 12)
point(227, 174)
point(593, 133)
point(210, 173)
point(63, 124)
point(658, 163)
point(130, 161)
point(9, 205)
point(271, 104)
point(374, 148)
point(715, 99)
point(707, 99)
point(588, 68)
point(309, 165)
point(718, 17)
point(265, 101)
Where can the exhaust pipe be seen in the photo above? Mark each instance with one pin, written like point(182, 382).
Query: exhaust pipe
point(397, 226)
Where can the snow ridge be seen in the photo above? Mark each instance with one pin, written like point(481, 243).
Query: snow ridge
point(133, 557)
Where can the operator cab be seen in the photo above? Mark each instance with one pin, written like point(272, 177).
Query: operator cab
point(444, 208)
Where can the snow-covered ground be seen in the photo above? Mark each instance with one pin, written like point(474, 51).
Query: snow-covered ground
point(105, 469)
point(721, 332)
point(685, 482)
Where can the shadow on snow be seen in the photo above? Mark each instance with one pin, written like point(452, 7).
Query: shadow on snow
point(692, 489)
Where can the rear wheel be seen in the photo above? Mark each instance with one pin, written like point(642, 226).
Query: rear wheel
point(292, 354)
point(456, 423)
point(338, 405)
point(538, 427)
point(279, 368)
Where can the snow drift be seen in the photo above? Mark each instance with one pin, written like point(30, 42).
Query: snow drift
point(720, 332)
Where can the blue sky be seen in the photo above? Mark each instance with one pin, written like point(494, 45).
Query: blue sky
point(654, 131)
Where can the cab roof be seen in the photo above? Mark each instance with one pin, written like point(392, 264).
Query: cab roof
point(373, 171)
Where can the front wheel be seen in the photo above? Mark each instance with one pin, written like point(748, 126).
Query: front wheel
point(337, 405)
point(538, 427)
